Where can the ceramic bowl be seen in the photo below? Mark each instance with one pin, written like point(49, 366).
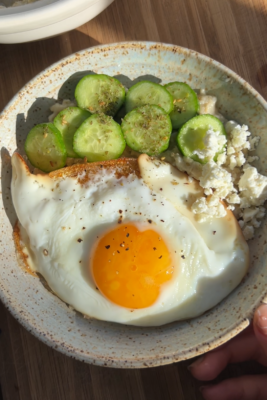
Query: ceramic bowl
point(46, 18)
point(42, 313)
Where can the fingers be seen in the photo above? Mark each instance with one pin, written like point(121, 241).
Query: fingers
point(260, 329)
point(241, 348)
point(251, 344)
point(243, 388)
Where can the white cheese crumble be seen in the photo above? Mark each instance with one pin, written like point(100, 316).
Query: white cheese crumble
point(231, 179)
point(214, 142)
point(57, 107)
point(219, 179)
point(208, 105)
point(208, 205)
point(253, 187)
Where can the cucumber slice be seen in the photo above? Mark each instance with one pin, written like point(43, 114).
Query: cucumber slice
point(67, 122)
point(45, 148)
point(100, 94)
point(185, 102)
point(99, 138)
point(147, 129)
point(192, 133)
point(146, 92)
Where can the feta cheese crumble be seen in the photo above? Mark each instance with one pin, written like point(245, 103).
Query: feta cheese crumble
point(207, 105)
point(57, 107)
point(230, 179)
point(214, 142)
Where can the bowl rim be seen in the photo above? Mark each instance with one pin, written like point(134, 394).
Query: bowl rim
point(40, 15)
point(153, 360)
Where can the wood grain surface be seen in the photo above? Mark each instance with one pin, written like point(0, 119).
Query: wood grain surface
point(233, 32)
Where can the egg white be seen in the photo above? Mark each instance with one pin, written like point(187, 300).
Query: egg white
point(61, 220)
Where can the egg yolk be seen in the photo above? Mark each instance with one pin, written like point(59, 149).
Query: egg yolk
point(129, 266)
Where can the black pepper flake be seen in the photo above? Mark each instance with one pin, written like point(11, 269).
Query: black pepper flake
point(120, 211)
point(79, 240)
point(160, 257)
point(107, 247)
point(96, 288)
point(162, 220)
point(160, 189)
point(128, 234)
point(127, 249)
point(149, 221)
point(83, 227)
point(118, 252)
point(154, 248)
point(214, 232)
point(183, 257)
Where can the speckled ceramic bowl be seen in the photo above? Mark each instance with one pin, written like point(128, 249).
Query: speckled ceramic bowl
point(44, 314)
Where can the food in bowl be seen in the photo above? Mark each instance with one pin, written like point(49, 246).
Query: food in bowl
point(202, 257)
point(117, 242)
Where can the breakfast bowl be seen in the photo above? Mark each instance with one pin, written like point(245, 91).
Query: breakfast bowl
point(27, 297)
point(39, 19)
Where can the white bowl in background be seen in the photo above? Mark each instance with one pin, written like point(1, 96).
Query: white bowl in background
point(46, 18)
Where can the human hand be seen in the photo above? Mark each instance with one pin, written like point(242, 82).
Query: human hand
point(249, 345)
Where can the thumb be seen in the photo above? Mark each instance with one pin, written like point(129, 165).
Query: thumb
point(260, 328)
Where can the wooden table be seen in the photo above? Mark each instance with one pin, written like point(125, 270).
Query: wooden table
point(233, 32)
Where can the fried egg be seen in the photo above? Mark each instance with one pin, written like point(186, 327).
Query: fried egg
point(117, 240)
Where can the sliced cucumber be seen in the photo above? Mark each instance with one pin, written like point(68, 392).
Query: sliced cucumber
point(100, 94)
point(147, 129)
point(192, 134)
point(185, 102)
point(146, 92)
point(99, 138)
point(45, 148)
point(67, 122)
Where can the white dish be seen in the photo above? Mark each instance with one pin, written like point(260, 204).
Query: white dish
point(45, 315)
point(46, 18)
